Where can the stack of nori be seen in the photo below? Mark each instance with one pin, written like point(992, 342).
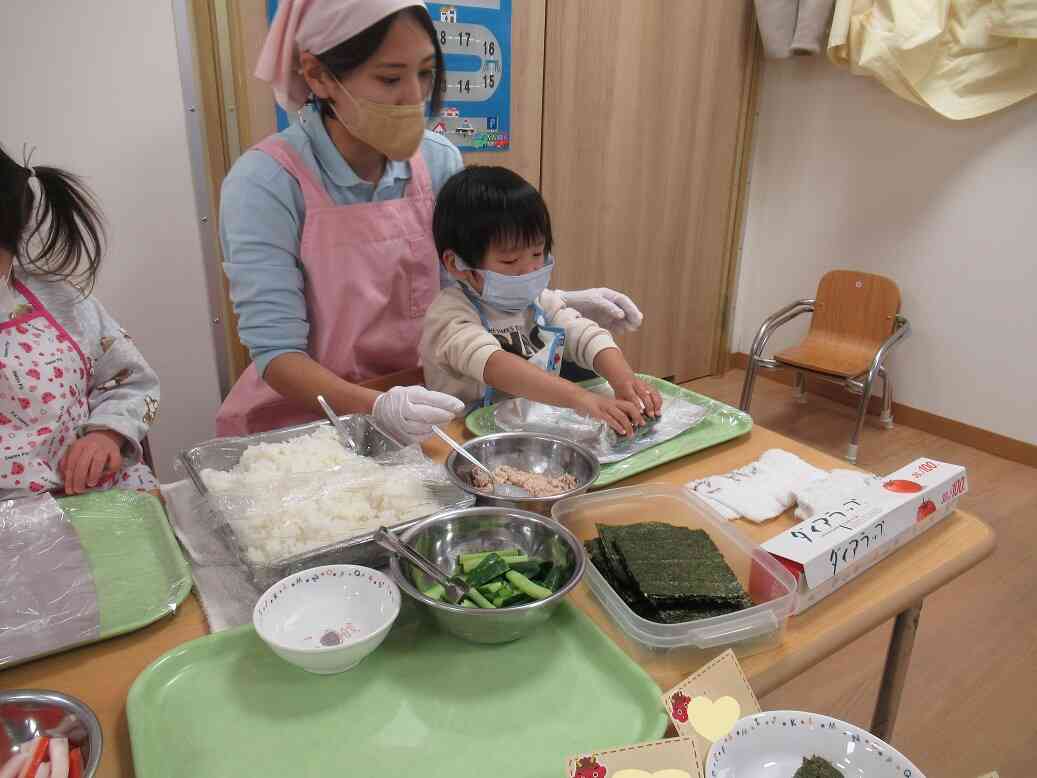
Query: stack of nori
point(666, 574)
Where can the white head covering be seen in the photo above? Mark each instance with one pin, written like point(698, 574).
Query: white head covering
point(314, 26)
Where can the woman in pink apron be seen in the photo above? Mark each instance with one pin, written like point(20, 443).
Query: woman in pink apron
point(76, 396)
point(326, 226)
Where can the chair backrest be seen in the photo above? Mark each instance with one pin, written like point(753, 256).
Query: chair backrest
point(857, 307)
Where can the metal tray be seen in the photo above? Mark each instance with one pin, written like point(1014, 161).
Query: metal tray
point(224, 453)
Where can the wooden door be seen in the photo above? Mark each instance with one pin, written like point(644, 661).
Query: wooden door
point(645, 110)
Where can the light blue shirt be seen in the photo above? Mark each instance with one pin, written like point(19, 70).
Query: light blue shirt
point(262, 213)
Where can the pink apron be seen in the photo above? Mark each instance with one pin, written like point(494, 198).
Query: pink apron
point(371, 272)
point(44, 383)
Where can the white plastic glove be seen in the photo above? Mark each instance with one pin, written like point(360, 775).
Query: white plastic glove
point(610, 309)
point(407, 413)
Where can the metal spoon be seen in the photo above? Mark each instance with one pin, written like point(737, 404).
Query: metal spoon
point(503, 490)
point(454, 587)
point(336, 422)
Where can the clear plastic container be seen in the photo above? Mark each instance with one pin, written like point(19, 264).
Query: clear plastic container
point(770, 585)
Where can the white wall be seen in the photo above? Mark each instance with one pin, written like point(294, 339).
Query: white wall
point(845, 174)
point(95, 86)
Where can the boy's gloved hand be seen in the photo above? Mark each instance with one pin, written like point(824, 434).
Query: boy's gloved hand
point(610, 309)
point(407, 413)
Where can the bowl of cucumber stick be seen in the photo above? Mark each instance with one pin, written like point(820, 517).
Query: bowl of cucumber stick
point(519, 565)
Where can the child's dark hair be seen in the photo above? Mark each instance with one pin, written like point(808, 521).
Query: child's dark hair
point(354, 52)
point(62, 235)
point(481, 206)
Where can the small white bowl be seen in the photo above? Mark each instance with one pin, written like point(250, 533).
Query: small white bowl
point(326, 619)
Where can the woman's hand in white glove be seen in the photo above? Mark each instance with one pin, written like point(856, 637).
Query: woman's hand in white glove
point(610, 309)
point(407, 413)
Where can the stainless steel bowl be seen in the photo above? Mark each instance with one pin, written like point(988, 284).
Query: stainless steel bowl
point(534, 452)
point(26, 713)
point(442, 537)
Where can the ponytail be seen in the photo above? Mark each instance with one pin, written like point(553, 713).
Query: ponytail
point(60, 237)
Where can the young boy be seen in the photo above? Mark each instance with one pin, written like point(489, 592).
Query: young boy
point(500, 331)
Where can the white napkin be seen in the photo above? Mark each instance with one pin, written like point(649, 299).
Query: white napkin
point(739, 493)
point(761, 490)
point(830, 492)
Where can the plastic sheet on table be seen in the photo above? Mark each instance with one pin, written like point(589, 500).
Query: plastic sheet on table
point(678, 415)
point(292, 515)
point(83, 569)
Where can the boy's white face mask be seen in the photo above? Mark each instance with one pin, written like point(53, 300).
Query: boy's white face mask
point(511, 294)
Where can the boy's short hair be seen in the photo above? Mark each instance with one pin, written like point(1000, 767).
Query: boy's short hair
point(483, 206)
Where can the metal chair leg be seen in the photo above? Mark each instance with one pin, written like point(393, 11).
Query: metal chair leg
point(747, 385)
point(862, 411)
point(886, 419)
point(799, 387)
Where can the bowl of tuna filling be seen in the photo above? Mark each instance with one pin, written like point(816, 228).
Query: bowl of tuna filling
point(545, 467)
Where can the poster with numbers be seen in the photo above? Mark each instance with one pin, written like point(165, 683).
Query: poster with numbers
point(475, 36)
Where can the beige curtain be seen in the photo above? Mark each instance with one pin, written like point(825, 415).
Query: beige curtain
point(961, 58)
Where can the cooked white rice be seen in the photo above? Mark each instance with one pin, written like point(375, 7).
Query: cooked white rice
point(283, 499)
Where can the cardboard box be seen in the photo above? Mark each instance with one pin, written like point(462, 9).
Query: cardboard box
point(829, 549)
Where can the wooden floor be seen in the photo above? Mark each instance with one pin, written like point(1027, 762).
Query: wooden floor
point(969, 703)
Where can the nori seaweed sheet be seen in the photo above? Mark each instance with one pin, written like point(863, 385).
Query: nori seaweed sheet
point(606, 556)
point(676, 567)
point(679, 615)
point(611, 556)
point(817, 767)
point(626, 591)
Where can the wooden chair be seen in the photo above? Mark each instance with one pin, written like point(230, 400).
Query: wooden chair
point(855, 322)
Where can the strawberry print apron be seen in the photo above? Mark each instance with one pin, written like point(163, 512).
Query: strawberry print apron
point(44, 380)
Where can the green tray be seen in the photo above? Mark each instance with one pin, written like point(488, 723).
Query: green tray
point(139, 573)
point(423, 704)
point(722, 425)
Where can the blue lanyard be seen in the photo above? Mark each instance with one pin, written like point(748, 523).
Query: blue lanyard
point(554, 356)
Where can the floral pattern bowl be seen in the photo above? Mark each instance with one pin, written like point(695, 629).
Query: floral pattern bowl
point(327, 619)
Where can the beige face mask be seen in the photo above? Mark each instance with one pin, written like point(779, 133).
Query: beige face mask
point(394, 130)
